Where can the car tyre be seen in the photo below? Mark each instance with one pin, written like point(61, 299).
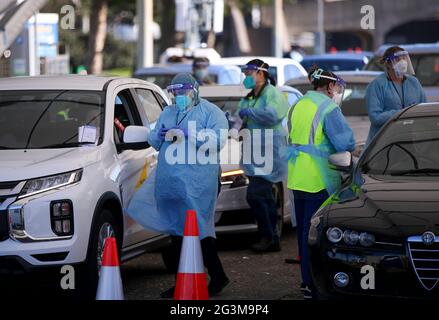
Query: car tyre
point(104, 227)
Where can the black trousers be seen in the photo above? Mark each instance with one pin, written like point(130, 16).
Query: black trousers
point(261, 200)
point(210, 257)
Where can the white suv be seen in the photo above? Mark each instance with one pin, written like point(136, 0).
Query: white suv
point(73, 151)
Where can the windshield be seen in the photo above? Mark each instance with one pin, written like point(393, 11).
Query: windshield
point(164, 80)
point(273, 72)
point(50, 119)
point(334, 65)
point(406, 147)
point(229, 105)
point(354, 103)
point(426, 67)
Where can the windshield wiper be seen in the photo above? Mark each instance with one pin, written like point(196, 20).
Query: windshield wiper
point(67, 145)
point(423, 171)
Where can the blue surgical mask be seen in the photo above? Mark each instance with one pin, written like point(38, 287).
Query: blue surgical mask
point(182, 102)
point(200, 74)
point(249, 82)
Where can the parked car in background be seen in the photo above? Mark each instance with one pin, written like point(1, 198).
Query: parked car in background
point(233, 214)
point(382, 226)
point(337, 61)
point(173, 54)
point(162, 75)
point(281, 69)
point(73, 151)
point(425, 59)
point(354, 104)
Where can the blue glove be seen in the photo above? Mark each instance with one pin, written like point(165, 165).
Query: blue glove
point(184, 130)
point(244, 113)
point(162, 132)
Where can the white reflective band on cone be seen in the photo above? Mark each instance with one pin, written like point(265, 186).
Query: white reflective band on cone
point(110, 284)
point(191, 260)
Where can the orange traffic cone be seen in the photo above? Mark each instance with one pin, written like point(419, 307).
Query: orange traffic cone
point(110, 282)
point(191, 278)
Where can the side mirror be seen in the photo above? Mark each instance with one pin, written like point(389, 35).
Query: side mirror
point(135, 134)
point(341, 161)
point(134, 138)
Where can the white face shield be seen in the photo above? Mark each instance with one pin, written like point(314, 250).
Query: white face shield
point(401, 64)
point(339, 85)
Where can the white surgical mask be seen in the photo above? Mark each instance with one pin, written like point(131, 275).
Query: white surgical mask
point(401, 66)
point(337, 98)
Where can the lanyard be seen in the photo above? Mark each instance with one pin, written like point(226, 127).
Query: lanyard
point(177, 123)
point(401, 99)
point(252, 105)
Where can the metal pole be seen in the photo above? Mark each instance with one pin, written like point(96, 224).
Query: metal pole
point(34, 59)
point(145, 43)
point(321, 25)
point(278, 28)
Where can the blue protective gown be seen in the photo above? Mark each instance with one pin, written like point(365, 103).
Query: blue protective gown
point(384, 99)
point(267, 111)
point(161, 202)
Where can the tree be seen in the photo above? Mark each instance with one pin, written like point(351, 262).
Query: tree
point(98, 33)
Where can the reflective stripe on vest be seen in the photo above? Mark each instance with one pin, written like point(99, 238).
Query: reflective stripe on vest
point(289, 122)
point(316, 121)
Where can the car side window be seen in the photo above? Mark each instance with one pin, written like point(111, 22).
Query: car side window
point(161, 101)
point(125, 114)
point(427, 70)
point(149, 103)
point(291, 71)
point(292, 98)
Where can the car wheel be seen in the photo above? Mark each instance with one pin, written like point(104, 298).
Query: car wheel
point(277, 193)
point(104, 227)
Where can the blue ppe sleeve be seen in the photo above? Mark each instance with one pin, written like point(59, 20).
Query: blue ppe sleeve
point(338, 131)
point(266, 116)
point(375, 106)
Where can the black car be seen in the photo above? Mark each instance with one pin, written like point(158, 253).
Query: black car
point(379, 234)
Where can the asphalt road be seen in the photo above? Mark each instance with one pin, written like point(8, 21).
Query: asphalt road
point(253, 276)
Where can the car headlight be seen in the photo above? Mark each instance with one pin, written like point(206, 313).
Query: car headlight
point(44, 184)
point(235, 178)
point(334, 235)
point(367, 239)
point(351, 237)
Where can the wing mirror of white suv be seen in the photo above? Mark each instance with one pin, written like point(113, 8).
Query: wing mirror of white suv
point(134, 138)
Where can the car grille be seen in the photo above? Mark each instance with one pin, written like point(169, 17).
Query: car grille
point(4, 226)
point(8, 185)
point(425, 261)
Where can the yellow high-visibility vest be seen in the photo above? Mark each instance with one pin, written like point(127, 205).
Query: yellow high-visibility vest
point(305, 125)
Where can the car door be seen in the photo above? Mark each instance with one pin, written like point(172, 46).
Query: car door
point(134, 164)
point(149, 104)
